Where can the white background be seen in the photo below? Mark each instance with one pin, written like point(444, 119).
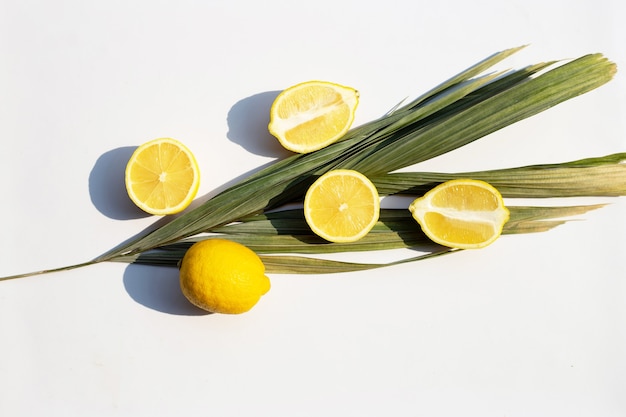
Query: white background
point(534, 325)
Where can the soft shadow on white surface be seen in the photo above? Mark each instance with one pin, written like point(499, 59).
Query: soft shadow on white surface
point(247, 125)
point(158, 289)
point(107, 188)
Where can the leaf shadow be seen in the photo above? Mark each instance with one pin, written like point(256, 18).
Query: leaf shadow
point(107, 188)
point(157, 288)
point(247, 125)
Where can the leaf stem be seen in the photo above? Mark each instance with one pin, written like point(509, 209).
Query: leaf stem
point(48, 271)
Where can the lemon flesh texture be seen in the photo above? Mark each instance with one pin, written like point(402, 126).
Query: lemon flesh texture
point(464, 214)
point(312, 115)
point(222, 276)
point(342, 206)
point(162, 177)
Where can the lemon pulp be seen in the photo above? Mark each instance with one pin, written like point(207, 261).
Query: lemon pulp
point(311, 115)
point(342, 206)
point(162, 176)
point(462, 213)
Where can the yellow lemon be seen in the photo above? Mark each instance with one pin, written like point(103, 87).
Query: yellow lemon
point(222, 276)
point(463, 213)
point(162, 176)
point(311, 115)
point(342, 206)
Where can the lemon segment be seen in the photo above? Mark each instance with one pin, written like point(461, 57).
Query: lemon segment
point(162, 176)
point(342, 206)
point(222, 276)
point(312, 115)
point(463, 213)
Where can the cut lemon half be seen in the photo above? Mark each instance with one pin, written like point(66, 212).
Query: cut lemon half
point(463, 213)
point(342, 206)
point(312, 115)
point(162, 176)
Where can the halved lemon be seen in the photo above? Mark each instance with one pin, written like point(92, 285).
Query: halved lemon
point(462, 213)
point(342, 206)
point(312, 115)
point(162, 176)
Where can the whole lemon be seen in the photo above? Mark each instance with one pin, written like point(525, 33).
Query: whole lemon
point(222, 276)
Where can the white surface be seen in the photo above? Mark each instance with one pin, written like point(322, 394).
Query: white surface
point(531, 326)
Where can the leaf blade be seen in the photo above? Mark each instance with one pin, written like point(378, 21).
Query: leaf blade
point(288, 179)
